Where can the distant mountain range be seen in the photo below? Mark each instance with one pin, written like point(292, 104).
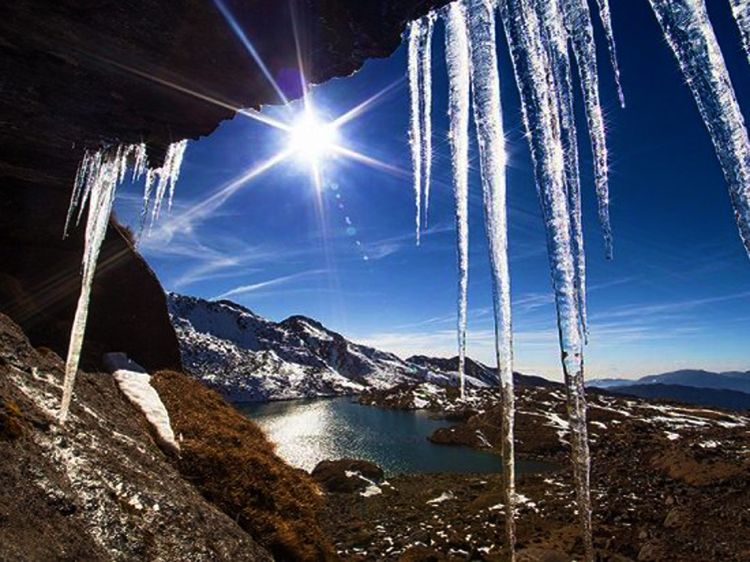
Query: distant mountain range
point(729, 389)
point(249, 358)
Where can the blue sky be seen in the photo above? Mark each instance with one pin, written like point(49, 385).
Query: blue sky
point(676, 295)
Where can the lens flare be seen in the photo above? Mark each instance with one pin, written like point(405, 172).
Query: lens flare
point(311, 139)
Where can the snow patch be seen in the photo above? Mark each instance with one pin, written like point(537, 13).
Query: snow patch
point(135, 384)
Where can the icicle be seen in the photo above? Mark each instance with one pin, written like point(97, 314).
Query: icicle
point(415, 133)
point(556, 42)
point(78, 197)
point(541, 113)
point(100, 183)
point(691, 36)
point(606, 16)
point(140, 161)
point(425, 66)
point(165, 178)
point(741, 12)
point(96, 182)
point(578, 22)
point(457, 62)
point(485, 83)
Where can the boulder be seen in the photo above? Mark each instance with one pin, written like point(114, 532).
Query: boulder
point(347, 475)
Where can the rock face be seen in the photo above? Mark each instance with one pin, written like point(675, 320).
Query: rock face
point(79, 74)
point(99, 488)
point(246, 357)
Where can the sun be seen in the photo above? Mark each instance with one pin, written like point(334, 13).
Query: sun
point(311, 139)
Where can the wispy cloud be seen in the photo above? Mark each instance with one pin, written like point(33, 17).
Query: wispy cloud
point(244, 289)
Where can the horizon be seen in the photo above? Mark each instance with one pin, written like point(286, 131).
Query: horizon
point(677, 294)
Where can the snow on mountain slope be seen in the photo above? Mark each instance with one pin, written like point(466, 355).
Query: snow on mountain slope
point(247, 358)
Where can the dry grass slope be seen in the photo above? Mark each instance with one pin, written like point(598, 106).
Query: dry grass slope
point(229, 459)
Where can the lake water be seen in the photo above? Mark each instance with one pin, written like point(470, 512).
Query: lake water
point(309, 431)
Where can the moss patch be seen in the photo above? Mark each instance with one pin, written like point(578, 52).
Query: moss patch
point(11, 420)
point(228, 458)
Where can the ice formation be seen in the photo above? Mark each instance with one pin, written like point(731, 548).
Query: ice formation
point(541, 114)
point(741, 12)
point(457, 62)
point(425, 67)
point(485, 86)
point(606, 16)
point(541, 36)
point(420, 129)
point(97, 179)
point(691, 37)
point(415, 127)
point(577, 17)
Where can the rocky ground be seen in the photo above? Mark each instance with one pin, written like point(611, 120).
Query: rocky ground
point(99, 487)
point(669, 483)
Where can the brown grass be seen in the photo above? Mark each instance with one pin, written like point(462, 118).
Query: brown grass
point(11, 426)
point(228, 458)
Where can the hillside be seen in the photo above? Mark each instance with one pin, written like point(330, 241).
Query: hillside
point(100, 489)
point(669, 483)
point(249, 358)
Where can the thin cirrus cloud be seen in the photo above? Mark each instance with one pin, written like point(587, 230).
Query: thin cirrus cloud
point(244, 289)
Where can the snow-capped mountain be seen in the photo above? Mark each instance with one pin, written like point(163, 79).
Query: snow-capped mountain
point(246, 357)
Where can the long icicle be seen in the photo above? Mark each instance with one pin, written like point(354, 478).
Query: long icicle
point(578, 22)
point(425, 65)
point(96, 182)
point(485, 84)
point(741, 12)
point(605, 14)
point(415, 118)
point(542, 123)
point(556, 43)
point(689, 32)
point(457, 62)
point(101, 182)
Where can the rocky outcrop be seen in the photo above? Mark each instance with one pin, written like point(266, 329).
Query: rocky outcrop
point(79, 74)
point(98, 488)
point(347, 475)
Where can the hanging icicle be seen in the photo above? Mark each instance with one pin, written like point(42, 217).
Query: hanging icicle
point(164, 179)
point(96, 182)
point(457, 62)
point(97, 179)
point(691, 37)
point(415, 117)
point(425, 65)
point(555, 41)
point(578, 22)
point(485, 86)
point(606, 16)
point(541, 113)
point(741, 12)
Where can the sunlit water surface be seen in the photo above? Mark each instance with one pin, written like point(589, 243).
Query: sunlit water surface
point(309, 431)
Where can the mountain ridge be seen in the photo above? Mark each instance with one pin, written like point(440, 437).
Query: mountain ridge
point(698, 378)
point(249, 358)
